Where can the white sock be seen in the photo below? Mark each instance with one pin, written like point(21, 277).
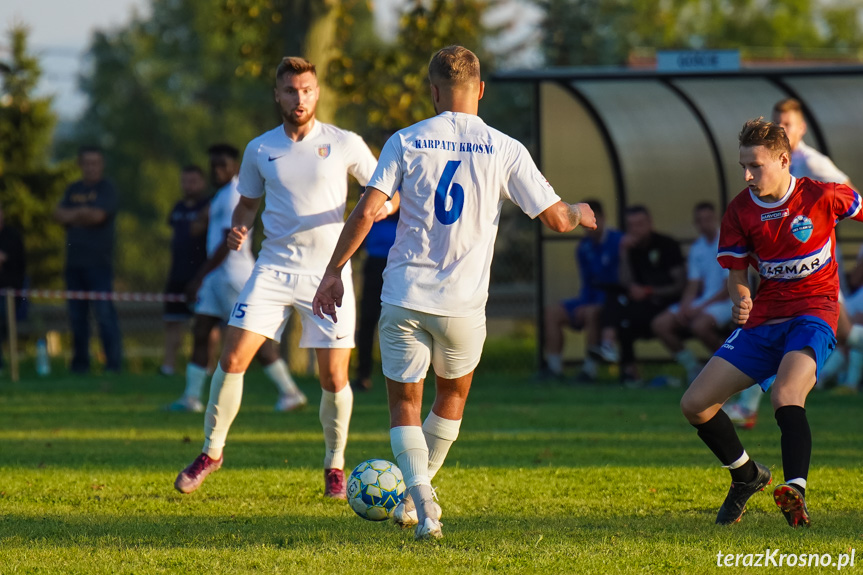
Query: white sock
point(412, 457)
point(741, 461)
point(555, 362)
point(440, 434)
point(798, 481)
point(855, 337)
point(196, 376)
point(855, 369)
point(590, 366)
point(750, 398)
point(687, 359)
point(335, 415)
point(226, 394)
point(279, 374)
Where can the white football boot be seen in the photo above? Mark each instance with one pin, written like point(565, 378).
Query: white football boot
point(291, 402)
point(405, 513)
point(430, 528)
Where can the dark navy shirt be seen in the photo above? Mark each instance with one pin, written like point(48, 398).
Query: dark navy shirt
point(599, 264)
point(382, 236)
point(91, 246)
point(188, 252)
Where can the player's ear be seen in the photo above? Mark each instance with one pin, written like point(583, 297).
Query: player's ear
point(481, 90)
point(435, 93)
point(785, 159)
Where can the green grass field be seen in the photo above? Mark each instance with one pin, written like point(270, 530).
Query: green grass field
point(543, 479)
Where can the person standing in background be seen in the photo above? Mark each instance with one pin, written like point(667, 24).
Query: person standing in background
point(87, 211)
point(12, 270)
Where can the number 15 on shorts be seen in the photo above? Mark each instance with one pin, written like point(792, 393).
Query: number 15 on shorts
point(239, 310)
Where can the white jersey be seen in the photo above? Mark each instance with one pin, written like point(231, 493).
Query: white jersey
point(237, 264)
point(454, 173)
point(807, 162)
point(306, 186)
point(704, 267)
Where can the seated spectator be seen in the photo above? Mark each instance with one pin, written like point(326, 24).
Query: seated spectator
point(652, 277)
point(598, 258)
point(705, 309)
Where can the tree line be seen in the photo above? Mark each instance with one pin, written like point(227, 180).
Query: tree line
point(193, 72)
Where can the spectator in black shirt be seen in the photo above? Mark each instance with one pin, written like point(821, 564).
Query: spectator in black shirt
point(188, 220)
point(653, 274)
point(12, 269)
point(87, 210)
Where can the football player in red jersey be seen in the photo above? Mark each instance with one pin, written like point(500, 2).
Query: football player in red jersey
point(783, 226)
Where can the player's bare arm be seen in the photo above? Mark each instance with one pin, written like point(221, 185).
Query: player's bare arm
point(242, 221)
point(741, 296)
point(389, 208)
point(330, 292)
point(562, 217)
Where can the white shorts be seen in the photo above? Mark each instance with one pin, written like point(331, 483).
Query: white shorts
point(412, 340)
point(265, 304)
point(217, 294)
point(720, 311)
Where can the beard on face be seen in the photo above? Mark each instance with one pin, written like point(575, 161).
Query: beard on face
point(309, 113)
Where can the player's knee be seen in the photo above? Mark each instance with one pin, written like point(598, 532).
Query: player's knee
point(691, 408)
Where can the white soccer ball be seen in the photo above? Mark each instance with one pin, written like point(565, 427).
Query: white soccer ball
point(375, 487)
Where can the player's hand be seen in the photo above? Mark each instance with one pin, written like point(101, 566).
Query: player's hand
point(740, 311)
point(588, 218)
point(328, 297)
point(236, 237)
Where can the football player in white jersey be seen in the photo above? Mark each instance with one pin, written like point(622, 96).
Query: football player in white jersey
point(215, 289)
point(454, 173)
point(302, 167)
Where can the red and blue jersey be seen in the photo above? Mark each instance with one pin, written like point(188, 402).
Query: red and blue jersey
point(792, 244)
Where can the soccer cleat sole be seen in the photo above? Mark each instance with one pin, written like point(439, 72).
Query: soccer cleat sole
point(792, 505)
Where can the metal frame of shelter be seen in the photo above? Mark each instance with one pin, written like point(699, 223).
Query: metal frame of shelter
point(668, 140)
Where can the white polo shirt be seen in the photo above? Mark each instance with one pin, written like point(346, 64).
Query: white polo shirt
point(306, 186)
point(807, 162)
point(237, 264)
point(703, 266)
point(454, 172)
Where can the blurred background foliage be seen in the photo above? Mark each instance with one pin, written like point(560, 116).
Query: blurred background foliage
point(164, 87)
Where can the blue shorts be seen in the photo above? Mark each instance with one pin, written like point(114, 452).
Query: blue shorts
point(757, 352)
point(570, 305)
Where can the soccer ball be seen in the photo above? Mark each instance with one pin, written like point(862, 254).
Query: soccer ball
point(375, 487)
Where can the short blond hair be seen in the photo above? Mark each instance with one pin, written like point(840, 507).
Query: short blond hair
point(760, 132)
point(294, 65)
point(788, 105)
point(454, 65)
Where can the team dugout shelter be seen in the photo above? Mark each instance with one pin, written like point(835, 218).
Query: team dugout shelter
point(668, 140)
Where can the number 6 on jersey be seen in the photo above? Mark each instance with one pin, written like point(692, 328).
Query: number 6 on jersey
point(444, 191)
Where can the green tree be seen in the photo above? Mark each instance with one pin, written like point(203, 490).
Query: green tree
point(382, 86)
point(604, 32)
point(163, 88)
point(30, 186)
